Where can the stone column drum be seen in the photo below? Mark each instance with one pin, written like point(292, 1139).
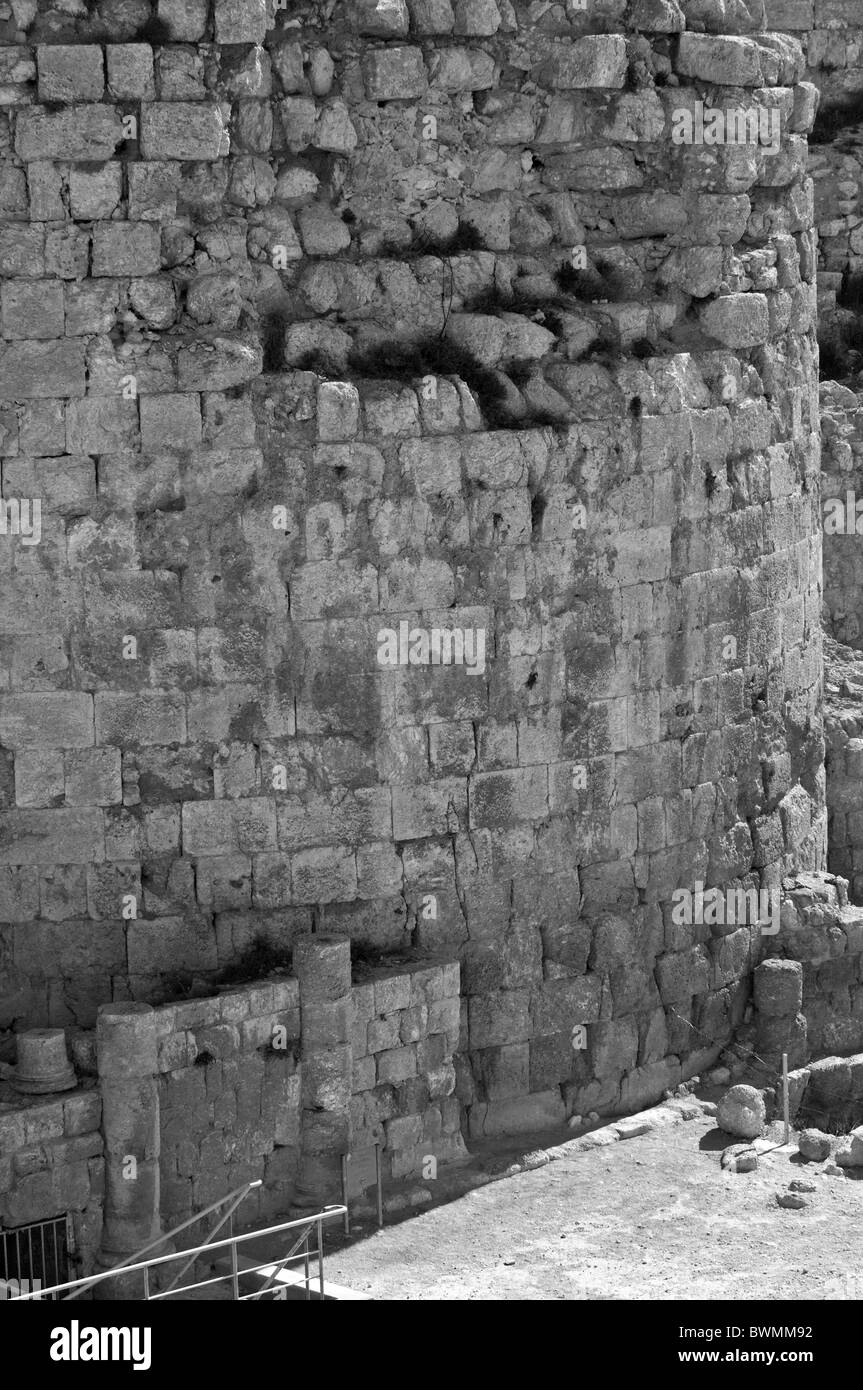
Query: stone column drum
point(323, 967)
point(127, 1060)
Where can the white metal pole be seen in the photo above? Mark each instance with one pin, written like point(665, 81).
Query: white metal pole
point(785, 1105)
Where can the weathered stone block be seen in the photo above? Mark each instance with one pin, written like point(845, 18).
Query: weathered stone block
point(363, 1074)
point(394, 74)
point(385, 19)
point(186, 19)
point(728, 61)
point(326, 1079)
point(477, 18)
point(78, 133)
point(540, 1111)
point(70, 72)
point(130, 71)
point(153, 190)
point(170, 422)
point(218, 365)
point(183, 130)
point(431, 16)
point(829, 1082)
point(31, 370)
point(598, 60)
point(499, 1019)
point(22, 251)
point(126, 248)
point(240, 21)
point(324, 875)
point(562, 1004)
point(392, 993)
point(101, 425)
point(95, 190)
point(778, 987)
point(396, 1065)
point(338, 410)
point(31, 309)
point(74, 836)
point(44, 719)
point(148, 718)
point(326, 1023)
point(443, 1015)
point(459, 70)
point(504, 1071)
point(383, 1034)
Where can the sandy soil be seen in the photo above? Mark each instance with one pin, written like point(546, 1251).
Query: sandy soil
point(654, 1217)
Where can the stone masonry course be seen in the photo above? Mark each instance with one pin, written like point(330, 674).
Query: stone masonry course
point(320, 319)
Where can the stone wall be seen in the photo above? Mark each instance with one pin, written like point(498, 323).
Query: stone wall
point(808, 992)
point(843, 725)
point(51, 1165)
point(213, 238)
point(831, 33)
point(405, 1032)
point(229, 1100)
point(842, 518)
point(196, 1098)
point(827, 1095)
point(231, 1095)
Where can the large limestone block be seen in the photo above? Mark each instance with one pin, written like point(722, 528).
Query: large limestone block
point(182, 130)
point(70, 72)
point(738, 320)
point(597, 60)
point(779, 987)
point(90, 132)
point(394, 74)
point(241, 21)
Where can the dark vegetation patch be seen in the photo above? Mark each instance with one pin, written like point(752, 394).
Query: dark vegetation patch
point(538, 505)
point(495, 301)
point(850, 294)
point(273, 328)
point(436, 356)
point(841, 355)
point(521, 372)
point(642, 347)
point(154, 30)
point(593, 284)
point(367, 960)
point(465, 238)
point(834, 120)
point(259, 959)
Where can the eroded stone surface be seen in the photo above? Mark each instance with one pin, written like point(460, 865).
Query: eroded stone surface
point(242, 488)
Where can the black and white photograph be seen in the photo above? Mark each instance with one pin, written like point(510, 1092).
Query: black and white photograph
point(431, 672)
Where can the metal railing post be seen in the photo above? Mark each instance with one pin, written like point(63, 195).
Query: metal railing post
point(132, 1265)
point(345, 1158)
point(235, 1272)
point(378, 1182)
point(785, 1101)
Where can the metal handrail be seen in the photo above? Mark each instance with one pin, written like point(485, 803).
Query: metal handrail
point(240, 1193)
point(133, 1265)
point(226, 1216)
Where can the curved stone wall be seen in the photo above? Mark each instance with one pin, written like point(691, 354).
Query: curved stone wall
point(322, 322)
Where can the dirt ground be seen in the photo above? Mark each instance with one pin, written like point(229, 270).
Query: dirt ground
point(654, 1217)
